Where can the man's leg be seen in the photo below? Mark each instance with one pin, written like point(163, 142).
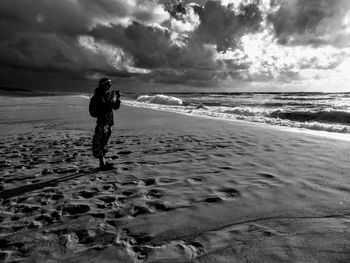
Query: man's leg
point(98, 144)
point(102, 161)
point(106, 133)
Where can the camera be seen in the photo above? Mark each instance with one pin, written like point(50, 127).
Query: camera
point(115, 94)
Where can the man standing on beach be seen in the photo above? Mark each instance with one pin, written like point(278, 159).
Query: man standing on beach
point(102, 104)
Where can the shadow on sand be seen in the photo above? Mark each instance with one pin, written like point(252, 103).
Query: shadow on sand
point(32, 187)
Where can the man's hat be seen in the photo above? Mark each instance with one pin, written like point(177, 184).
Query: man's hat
point(104, 81)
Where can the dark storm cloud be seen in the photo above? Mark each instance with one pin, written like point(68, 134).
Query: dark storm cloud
point(65, 17)
point(45, 34)
point(315, 22)
point(55, 25)
point(167, 41)
point(223, 26)
point(73, 16)
point(220, 28)
point(152, 47)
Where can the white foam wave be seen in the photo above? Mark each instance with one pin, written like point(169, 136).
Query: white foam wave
point(245, 111)
point(259, 115)
point(83, 96)
point(160, 99)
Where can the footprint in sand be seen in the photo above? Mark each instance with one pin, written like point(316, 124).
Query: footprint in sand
point(213, 199)
point(108, 199)
point(109, 187)
point(140, 210)
point(130, 182)
point(124, 152)
point(46, 171)
point(166, 180)
point(87, 194)
point(193, 249)
point(224, 194)
point(20, 199)
point(128, 193)
point(149, 182)
point(26, 208)
point(154, 194)
point(159, 206)
point(76, 209)
point(57, 196)
point(98, 215)
point(172, 250)
point(267, 175)
point(195, 180)
point(56, 214)
point(50, 194)
point(45, 219)
point(229, 193)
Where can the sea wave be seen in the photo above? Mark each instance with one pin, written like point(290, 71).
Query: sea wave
point(263, 116)
point(323, 116)
point(330, 120)
point(294, 104)
point(304, 98)
point(82, 96)
point(160, 99)
point(327, 116)
point(244, 111)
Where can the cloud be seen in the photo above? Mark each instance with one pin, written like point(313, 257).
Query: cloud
point(47, 34)
point(189, 42)
point(45, 16)
point(200, 42)
point(223, 26)
point(317, 22)
point(265, 59)
point(124, 12)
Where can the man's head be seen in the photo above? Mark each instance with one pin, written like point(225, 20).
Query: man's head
point(105, 84)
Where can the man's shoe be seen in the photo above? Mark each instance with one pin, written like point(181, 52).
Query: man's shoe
point(107, 167)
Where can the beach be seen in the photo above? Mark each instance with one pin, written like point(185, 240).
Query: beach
point(185, 189)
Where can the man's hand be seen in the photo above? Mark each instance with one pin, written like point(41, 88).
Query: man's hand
point(114, 99)
point(115, 96)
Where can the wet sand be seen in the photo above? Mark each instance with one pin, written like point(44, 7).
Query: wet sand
point(185, 189)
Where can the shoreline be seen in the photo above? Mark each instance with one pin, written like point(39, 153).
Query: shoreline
point(318, 133)
point(312, 132)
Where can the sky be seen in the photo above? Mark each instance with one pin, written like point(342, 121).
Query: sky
point(170, 45)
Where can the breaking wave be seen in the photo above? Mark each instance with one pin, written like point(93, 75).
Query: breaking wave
point(327, 116)
point(303, 98)
point(160, 99)
point(322, 116)
point(310, 114)
point(83, 96)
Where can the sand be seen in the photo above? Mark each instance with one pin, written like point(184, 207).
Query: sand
point(185, 189)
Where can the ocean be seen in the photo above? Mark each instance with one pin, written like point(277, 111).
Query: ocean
point(328, 112)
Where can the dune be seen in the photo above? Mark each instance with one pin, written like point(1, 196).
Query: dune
point(185, 189)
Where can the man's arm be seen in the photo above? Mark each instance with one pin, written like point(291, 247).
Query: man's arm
point(116, 100)
point(116, 104)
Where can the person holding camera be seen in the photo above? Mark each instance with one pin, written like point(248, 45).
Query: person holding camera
point(101, 106)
